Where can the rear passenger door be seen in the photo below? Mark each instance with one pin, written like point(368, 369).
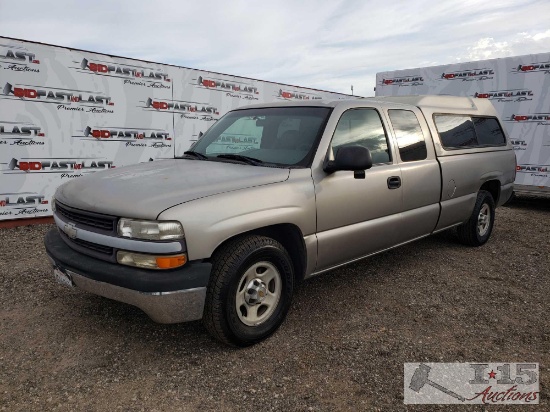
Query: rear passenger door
point(358, 216)
point(421, 176)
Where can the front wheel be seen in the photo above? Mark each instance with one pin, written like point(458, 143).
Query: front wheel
point(477, 230)
point(249, 291)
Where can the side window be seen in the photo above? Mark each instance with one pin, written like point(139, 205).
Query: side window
point(456, 131)
point(362, 127)
point(488, 131)
point(408, 132)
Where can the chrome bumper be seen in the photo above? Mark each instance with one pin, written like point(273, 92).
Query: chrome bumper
point(162, 307)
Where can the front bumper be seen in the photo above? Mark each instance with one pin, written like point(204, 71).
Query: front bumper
point(169, 296)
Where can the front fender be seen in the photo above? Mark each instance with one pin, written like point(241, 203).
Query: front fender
point(210, 221)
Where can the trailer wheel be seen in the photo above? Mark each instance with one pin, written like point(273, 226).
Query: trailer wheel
point(249, 291)
point(477, 230)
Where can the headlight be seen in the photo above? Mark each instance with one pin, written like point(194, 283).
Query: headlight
point(141, 260)
point(150, 229)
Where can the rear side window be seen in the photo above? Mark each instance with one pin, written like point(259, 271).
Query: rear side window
point(489, 132)
point(457, 131)
point(408, 132)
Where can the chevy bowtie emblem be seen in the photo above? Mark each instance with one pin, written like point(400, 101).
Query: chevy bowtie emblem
point(70, 230)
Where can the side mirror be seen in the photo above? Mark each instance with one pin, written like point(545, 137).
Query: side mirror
point(353, 158)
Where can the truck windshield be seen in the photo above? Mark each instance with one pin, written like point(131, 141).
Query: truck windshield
point(281, 136)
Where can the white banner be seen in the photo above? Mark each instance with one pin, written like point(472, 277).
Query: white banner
point(518, 87)
point(65, 113)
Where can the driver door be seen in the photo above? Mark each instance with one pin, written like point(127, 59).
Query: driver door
point(358, 216)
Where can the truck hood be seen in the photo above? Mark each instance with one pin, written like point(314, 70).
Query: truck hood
point(144, 190)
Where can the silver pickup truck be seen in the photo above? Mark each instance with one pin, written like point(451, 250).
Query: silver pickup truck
point(276, 193)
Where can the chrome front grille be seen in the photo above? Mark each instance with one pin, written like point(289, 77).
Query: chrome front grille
point(95, 220)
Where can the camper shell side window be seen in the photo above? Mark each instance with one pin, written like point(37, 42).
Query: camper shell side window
point(458, 131)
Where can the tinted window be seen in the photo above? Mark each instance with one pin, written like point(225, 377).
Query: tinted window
point(488, 131)
point(456, 131)
point(362, 127)
point(408, 132)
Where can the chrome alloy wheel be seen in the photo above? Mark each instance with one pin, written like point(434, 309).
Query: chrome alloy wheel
point(258, 293)
point(484, 220)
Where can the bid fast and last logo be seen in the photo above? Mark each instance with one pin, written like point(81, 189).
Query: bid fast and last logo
point(18, 59)
point(132, 137)
point(469, 75)
point(22, 203)
point(511, 95)
point(414, 80)
point(540, 119)
point(186, 109)
point(21, 134)
point(239, 90)
point(65, 99)
point(132, 75)
point(539, 67)
point(534, 170)
point(65, 167)
point(292, 95)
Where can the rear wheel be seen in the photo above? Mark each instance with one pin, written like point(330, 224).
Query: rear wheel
point(477, 230)
point(249, 291)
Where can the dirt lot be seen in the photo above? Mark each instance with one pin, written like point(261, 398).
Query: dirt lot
point(342, 346)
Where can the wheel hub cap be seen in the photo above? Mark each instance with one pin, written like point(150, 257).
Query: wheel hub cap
point(484, 220)
point(256, 291)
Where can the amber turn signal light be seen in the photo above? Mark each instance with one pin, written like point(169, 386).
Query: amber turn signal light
point(170, 262)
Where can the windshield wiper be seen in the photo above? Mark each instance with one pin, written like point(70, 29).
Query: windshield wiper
point(250, 160)
point(194, 154)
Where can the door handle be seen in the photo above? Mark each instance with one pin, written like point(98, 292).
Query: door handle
point(394, 182)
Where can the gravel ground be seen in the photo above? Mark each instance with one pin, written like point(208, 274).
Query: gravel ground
point(342, 346)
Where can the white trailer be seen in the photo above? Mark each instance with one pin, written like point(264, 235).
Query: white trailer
point(518, 88)
point(66, 112)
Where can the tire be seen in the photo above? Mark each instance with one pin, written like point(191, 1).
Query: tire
point(477, 230)
point(249, 291)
